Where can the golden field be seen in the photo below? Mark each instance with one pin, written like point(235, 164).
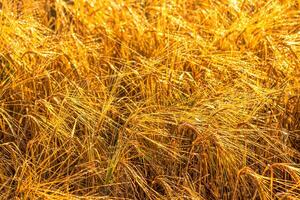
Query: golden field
point(149, 99)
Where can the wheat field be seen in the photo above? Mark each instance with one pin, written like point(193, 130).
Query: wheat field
point(149, 99)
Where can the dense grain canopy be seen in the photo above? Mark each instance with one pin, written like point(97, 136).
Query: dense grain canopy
point(149, 99)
